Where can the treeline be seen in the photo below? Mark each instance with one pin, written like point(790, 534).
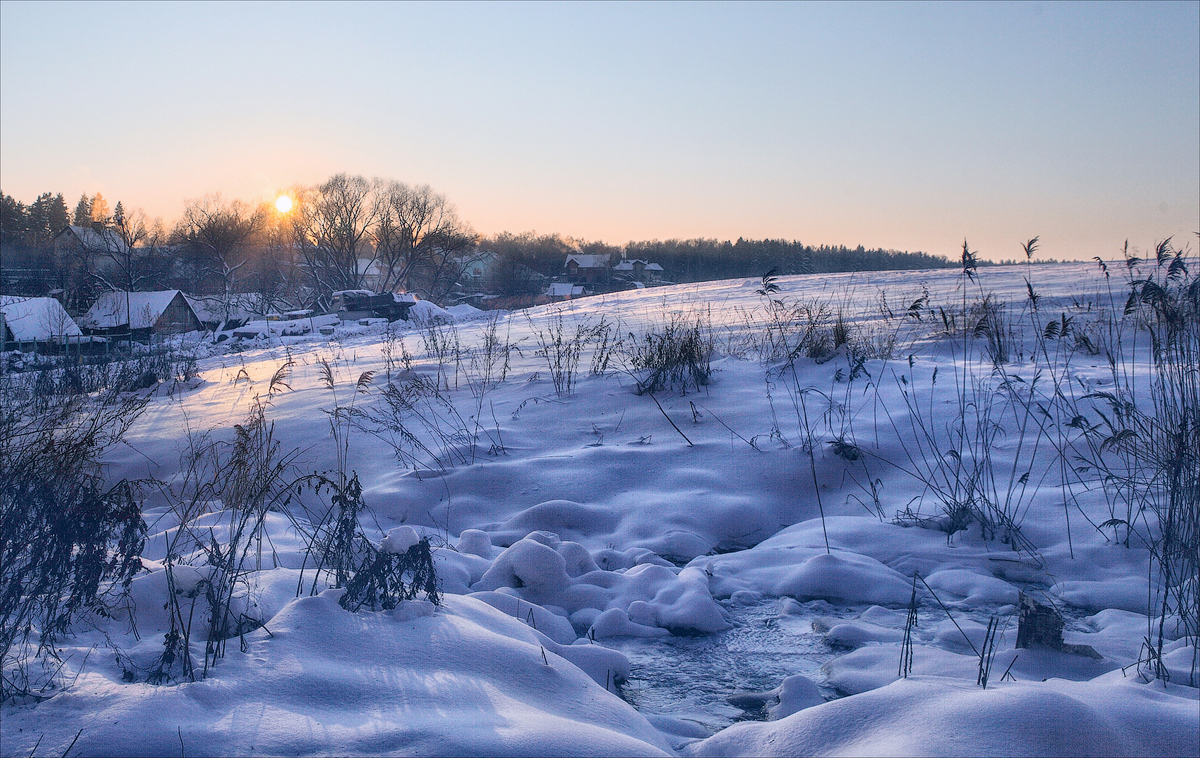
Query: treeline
point(697, 260)
point(346, 233)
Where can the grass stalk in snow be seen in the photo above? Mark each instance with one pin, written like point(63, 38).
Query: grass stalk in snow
point(1149, 453)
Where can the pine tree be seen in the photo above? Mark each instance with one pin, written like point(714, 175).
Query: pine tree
point(59, 215)
point(83, 211)
point(39, 219)
point(14, 220)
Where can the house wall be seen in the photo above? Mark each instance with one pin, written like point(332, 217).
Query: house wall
point(177, 318)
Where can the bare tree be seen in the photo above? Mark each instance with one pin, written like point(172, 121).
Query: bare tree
point(419, 239)
point(332, 225)
point(121, 255)
point(114, 252)
point(221, 232)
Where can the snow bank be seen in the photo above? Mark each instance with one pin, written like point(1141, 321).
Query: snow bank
point(464, 680)
point(938, 716)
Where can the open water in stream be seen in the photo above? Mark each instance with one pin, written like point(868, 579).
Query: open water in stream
point(690, 678)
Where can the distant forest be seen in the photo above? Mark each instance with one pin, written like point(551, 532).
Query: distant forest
point(697, 260)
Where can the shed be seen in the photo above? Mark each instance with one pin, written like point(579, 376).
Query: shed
point(564, 291)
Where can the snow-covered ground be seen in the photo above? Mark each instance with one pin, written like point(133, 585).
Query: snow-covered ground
point(699, 573)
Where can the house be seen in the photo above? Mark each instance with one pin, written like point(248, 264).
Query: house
point(636, 270)
point(35, 321)
point(564, 291)
point(86, 239)
point(477, 268)
point(228, 311)
point(589, 269)
point(165, 312)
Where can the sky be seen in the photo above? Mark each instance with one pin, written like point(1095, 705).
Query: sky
point(899, 126)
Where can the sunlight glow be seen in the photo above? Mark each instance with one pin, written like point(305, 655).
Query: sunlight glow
point(283, 204)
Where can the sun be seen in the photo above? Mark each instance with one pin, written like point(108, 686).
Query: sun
point(283, 204)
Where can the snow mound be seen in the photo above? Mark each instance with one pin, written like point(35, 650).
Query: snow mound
point(806, 573)
point(464, 680)
point(928, 716)
point(425, 312)
point(544, 570)
point(464, 312)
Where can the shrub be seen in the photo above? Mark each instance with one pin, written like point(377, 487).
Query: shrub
point(69, 544)
point(384, 579)
point(677, 356)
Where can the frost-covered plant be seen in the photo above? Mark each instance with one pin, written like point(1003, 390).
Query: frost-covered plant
point(562, 348)
point(423, 427)
point(249, 477)
point(1148, 454)
point(676, 355)
point(442, 344)
point(391, 574)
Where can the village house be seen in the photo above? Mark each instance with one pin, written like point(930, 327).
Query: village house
point(35, 323)
point(636, 270)
point(165, 312)
point(587, 269)
point(76, 240)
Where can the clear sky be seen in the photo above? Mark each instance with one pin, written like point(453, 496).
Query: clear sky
point(889, 125)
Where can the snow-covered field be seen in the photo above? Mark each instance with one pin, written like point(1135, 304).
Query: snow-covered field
point(724, 571)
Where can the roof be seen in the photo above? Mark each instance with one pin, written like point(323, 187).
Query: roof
point(105, 241)
point(629, 265)
point(216, 308)
point(563, 289)
point(589, 261)
point(109, 309)
point(37, 319)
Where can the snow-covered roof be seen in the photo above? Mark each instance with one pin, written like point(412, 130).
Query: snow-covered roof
point(563, 289)
point(37, 319)
point(629, 265)
point(404, 297)
point(240, 305)
point(147, 307)
point(589, 261)
point(106, 240)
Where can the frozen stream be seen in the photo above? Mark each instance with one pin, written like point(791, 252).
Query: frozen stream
point(690, 678)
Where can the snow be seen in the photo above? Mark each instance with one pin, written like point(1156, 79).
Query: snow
point(939, 715)
point(464, 312)
point(586, 529)
point(465, 679)
point(425, 312)
point(37, 319)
